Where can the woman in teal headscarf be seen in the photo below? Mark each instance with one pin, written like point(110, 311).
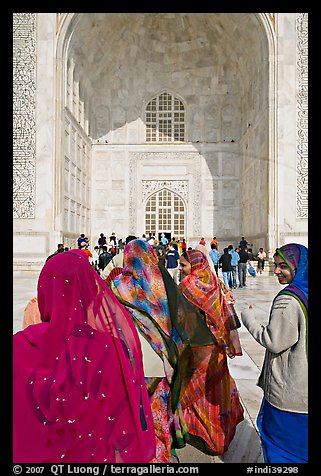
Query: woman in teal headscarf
point(283, 416)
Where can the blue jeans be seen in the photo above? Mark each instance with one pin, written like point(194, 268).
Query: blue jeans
point(260, 264)
point(232, 281)
point(242, 273)
point(226, 277)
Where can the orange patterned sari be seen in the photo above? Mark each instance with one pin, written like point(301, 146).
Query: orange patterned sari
point(211, 404)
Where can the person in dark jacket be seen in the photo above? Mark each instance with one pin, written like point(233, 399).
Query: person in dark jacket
point(225, 262)
point(161, 257)
point(60, 249)
point(242, 266)
point(243, 243)
point(102, 240)
point(104, 258)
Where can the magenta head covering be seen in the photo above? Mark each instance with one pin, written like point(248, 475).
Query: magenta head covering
point(79, 389)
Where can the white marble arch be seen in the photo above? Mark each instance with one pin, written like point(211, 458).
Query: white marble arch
point(67, 26)
point(278, 222)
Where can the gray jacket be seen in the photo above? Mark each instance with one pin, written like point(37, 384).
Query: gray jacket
point(284, 375)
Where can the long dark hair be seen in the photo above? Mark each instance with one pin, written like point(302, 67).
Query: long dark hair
point(185, 255)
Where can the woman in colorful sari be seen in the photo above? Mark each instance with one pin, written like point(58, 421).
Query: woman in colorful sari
point(169, 329)
point(79, 390)
point(210, 403)
point(283, 416)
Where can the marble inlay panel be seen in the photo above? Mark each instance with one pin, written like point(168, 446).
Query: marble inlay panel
point(24, 114)
point(302, 116)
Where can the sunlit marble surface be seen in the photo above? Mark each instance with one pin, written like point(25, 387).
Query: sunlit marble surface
point(245, 447)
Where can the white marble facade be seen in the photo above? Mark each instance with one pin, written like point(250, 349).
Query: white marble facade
point(81, 159)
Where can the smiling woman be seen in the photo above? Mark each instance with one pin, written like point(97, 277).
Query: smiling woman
point(282, 270)
point(283, 417)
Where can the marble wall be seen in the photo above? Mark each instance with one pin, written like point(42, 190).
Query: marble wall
point(34, 234)
point(89, 168)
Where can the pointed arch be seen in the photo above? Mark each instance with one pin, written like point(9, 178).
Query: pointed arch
point(66, 25)
point(165, 212)
point(165, 118)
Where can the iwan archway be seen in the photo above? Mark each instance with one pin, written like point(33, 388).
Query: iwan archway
point(200, 102)
point(221, 67)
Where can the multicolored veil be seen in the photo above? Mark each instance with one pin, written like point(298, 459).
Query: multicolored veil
point(202, 288)
point(160, 312)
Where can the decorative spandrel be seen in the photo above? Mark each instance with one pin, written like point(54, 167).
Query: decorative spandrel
point(151, 186)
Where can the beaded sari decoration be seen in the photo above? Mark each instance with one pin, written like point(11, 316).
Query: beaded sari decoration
point(79, 389)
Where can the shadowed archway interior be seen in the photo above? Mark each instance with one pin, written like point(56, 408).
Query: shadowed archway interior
point(217, 65)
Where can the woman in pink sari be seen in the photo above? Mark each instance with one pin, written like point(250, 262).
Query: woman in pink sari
point(79, 389)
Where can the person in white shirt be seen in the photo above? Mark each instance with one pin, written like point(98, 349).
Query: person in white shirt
point(260, 260)
point(95, 258)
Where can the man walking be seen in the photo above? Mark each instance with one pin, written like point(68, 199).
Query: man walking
point(234, 264)
point(214, 254)
point(225, 261)
point(242, 266)
point(172, 259)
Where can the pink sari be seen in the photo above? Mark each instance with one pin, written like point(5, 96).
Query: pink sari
point(79, 389)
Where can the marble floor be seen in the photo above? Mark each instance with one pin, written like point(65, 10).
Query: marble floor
point(245, 369)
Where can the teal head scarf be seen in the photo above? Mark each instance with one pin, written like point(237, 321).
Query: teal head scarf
point(296, 257)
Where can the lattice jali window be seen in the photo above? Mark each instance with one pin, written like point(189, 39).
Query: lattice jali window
point(165, 212)
point(165, 119)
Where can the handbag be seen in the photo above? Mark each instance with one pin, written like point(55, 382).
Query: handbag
point(252, 271)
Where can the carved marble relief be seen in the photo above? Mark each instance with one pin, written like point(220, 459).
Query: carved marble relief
point(197, 183)
point(151, 186)
point(24, 114)
point(302, 116)
point(177, 186)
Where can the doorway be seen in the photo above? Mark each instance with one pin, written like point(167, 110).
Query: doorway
point(165, 212)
